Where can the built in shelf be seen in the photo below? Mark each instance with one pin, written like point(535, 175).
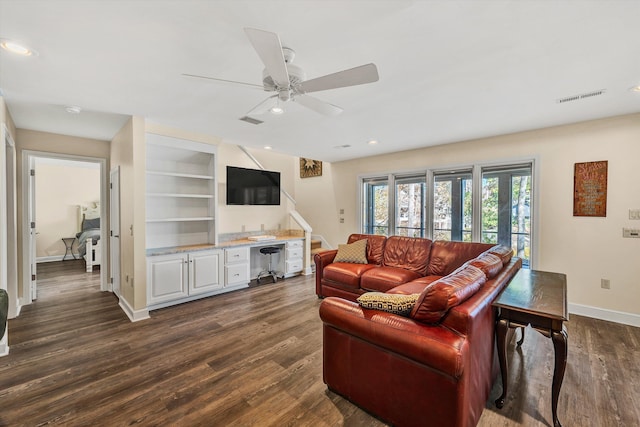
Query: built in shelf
point(201, 218)
point(179, 175)
point(193, 196)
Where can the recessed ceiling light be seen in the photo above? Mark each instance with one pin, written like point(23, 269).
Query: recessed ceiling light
point(73, 109)
point(267, 147)
point(635, 89)
point(15, 47)
point(372, 142)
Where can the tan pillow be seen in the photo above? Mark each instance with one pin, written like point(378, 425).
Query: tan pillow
point(391, 303)
point(355, 252)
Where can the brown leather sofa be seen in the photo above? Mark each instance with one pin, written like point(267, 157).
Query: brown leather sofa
point(435, 367)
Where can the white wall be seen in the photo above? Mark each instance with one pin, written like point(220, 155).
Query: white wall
point(60, 187)
point(586, 249)
point(232, 219)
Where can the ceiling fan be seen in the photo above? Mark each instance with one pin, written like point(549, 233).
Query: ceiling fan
point(289, 82)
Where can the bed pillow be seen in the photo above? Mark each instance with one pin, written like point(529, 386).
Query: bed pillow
point(355, 253)
point(391, 303)
point(88, 224)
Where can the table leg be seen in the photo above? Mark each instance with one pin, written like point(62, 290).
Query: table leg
point(501, 340)
point(560, 345)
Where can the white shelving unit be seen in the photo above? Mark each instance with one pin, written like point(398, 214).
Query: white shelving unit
point(181, 192)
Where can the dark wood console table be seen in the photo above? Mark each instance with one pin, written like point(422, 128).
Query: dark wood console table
point(539, 299)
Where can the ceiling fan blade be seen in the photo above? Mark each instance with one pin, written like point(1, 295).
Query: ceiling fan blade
point(318, 105)
point(355, 76)
point(269, 50)
point(232, 82)
point(263, 106)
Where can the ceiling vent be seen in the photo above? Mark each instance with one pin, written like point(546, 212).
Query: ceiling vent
point(581, 96)
point(251, 120)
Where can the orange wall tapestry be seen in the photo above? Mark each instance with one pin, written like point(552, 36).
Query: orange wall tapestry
point(590, 189)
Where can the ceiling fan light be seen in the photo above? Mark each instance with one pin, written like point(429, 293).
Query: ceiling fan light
point(276, 109)
point(14, 47)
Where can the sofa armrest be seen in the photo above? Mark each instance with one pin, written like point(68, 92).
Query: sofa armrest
point(322, 259)
point(431, 345)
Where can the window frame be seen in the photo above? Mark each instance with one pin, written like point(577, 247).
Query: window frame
point(476, 170)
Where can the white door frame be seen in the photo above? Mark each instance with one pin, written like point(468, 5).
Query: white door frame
point(114, 229)
point(28, 157)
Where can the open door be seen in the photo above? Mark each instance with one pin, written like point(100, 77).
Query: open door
point(114, 229)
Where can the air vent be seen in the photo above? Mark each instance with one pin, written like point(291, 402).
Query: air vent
point(251, 120)
point(342, 146)
point(581, 96)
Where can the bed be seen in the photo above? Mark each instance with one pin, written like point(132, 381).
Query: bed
point(89, 245)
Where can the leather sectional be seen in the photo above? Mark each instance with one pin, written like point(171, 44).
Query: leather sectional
point(434, 367)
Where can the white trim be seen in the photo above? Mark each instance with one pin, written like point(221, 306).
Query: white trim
point(54, 258)
point(27, 155)
point(4, 347)
point(605, 314)
point(133, 315)
point(324, 242)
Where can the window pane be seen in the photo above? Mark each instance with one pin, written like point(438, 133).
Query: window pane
point(506, 216)
point(452, 206)
point(442, 210)
point(410, 207)
point(376, 218)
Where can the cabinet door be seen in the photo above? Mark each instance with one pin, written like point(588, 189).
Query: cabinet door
point(167, 277)
point(205, 271)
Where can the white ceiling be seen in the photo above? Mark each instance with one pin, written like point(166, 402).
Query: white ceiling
point(449, 70)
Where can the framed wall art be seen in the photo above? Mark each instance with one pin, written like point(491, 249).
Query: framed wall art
point(590, 189)
point(309, 168)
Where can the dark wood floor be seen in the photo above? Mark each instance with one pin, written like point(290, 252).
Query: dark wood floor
point(254, 357)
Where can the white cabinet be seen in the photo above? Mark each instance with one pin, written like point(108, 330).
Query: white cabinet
point(183, 276)
point(236, 266)
point(181, 192)
point(294, 253)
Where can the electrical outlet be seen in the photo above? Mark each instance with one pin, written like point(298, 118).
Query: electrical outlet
point(605, 283)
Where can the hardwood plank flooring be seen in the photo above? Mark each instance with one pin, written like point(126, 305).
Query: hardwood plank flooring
point(254, 357)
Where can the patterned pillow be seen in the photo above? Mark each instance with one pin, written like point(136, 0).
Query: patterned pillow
point(392, 303)
point(355, 252)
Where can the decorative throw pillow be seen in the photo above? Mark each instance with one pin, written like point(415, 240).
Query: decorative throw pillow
point(355, 252)
point(392, 303)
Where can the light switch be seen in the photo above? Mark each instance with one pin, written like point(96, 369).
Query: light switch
point(631, 233)
point(634, 214)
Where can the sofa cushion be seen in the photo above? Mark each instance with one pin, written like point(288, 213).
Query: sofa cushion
point(449, 291)
point(384, 278)
point(392, 303)
point(345, 273)
point(375, 246)
point(448, 256)
point(409, 253)
point(355, 252)
point(505, 253)
point(415, 286)
point(488, 263)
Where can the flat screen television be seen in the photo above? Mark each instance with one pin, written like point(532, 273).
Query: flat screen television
point(252, 186)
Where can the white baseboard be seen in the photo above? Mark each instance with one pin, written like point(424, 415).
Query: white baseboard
point(133, 315)
point(604, 314)
point(4, 346)
point(54, 258)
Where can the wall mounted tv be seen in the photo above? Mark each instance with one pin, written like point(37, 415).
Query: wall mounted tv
point(252, 186)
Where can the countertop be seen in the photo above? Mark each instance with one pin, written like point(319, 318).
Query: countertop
point(228, 244)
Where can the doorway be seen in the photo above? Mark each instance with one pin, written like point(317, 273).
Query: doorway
point(31, 160)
